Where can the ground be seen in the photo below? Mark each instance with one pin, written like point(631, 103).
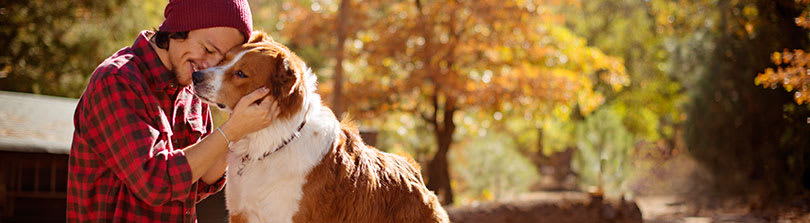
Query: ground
point(562, 207)
point(679, 209)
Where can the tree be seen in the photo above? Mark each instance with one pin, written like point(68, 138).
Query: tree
point(343, 16)
point(605, 148)
point(793, 72)
point(752, 140)
point(436, 59)
point(649, 109)
point(52, 47)
point(650, 106)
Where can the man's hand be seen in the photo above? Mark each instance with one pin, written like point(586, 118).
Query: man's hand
point(248, 117)
point(207, 158)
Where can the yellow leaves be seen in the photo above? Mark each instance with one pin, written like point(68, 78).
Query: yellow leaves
point(482, 29)
point(470, 86)
point(502, 54)
point(487, 194)
point(387, 62)
point(801, 98)
point(588, 101)
point(615, 80)
point(776, 58)
point(761, 79)
point(749, 28)
point(750, 11)
point(792, 73)
point(482, 54)
point(803, 20)
point(586, 61)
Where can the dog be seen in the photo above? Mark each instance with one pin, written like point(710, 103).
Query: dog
point(306, 166)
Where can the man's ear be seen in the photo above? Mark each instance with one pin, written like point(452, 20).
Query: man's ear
point(259, 36)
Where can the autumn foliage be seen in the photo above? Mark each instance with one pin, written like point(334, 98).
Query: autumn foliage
point(437, 59)
point(793, 67)
point(482, 92)
point(793, 74)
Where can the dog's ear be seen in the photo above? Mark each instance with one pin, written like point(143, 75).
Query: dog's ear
point(259, 36)
point(284, 82)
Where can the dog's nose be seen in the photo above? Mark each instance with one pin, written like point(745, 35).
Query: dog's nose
point(197, 77)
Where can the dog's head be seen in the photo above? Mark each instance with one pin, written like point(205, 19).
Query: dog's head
point(261, 62)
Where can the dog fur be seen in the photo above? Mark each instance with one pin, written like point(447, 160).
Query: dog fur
point(326, 173)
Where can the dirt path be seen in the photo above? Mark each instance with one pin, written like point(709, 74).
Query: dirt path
point(578, 207)
point(674, 209)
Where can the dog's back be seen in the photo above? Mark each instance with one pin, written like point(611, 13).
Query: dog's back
point(357, 183)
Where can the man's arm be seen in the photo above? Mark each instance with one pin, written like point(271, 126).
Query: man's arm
point(212, 180)
point(138, 153)
point(216, 171)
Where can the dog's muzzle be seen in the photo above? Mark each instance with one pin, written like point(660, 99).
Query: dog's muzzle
point(197, 77)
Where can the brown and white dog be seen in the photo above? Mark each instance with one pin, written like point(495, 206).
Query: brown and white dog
point(306, 166)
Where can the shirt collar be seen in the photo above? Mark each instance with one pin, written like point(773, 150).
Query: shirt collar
point(156, 74)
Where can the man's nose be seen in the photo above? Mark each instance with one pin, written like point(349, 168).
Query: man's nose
point(197, 77)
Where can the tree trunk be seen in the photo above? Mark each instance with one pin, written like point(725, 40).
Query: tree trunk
point(441, 119)
point(438, 168)
point(337, 101)
point(439, 175)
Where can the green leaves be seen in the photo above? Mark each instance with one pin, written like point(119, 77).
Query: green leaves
point(605, 152)
point(52, 47)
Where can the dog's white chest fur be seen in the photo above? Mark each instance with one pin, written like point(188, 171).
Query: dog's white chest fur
point(276, 180)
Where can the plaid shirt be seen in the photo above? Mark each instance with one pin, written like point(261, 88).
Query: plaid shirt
point(131, 124)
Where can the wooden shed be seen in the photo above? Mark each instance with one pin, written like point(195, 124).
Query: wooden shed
point(35, 137)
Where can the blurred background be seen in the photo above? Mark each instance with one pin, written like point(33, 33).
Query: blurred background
point(695, 110)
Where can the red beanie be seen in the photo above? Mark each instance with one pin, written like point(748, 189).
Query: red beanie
point(187, 15)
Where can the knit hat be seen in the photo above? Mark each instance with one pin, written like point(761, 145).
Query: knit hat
point(187, 15)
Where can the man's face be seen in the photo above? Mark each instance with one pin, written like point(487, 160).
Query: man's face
point(202, 49)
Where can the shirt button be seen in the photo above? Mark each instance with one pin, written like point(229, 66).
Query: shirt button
point(175, 142)
point(172, 86)
point(188, 212)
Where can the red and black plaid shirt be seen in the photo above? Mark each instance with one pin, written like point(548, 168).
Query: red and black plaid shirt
point(131, 124)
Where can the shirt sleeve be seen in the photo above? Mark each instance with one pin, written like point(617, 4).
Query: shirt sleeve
point(204, 190)
point(138, 153)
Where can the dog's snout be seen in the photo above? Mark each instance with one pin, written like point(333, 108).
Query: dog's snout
point(197, 77)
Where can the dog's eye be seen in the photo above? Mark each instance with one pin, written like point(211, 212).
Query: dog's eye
point(241, 74)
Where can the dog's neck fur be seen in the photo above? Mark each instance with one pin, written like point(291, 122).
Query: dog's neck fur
point(281, 129)
point(282, 173)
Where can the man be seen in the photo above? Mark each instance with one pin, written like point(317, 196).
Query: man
point(144, 148)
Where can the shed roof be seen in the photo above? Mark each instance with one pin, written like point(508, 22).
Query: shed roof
point(36, 123)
